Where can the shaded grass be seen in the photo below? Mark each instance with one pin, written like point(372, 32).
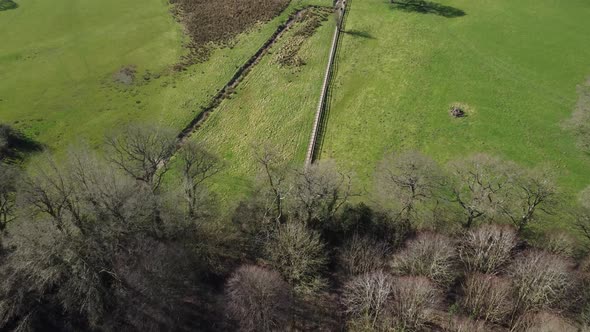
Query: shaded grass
point(505, 59)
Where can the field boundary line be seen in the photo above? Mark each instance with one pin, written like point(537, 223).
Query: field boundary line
point(311, 149)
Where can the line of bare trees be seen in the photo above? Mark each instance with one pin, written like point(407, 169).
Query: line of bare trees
point(135, 241)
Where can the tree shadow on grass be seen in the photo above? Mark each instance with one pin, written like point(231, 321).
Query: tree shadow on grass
point(7, 4)
point(427, 7)
point(360, 34)
point(15, 146)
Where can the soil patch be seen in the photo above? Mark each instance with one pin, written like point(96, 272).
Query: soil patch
point(125, 75)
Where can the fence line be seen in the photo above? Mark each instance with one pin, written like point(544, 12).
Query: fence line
point(322, 103)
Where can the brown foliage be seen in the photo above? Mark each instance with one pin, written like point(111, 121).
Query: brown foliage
point(464, 324)
point(258, 299)
point(429, 255)
point(487, 297)
point(487, 248)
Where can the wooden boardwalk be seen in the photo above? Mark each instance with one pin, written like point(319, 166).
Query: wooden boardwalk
point(341, 6)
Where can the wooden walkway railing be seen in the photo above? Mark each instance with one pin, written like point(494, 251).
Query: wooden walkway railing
point(341, 7)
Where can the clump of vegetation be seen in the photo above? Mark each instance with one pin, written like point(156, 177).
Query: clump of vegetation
point(308, 22)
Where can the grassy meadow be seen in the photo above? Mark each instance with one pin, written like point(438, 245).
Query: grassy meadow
point(58, 60)
point(273, 107)
point(515, 64)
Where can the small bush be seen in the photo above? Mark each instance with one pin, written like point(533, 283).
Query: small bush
point(429, 255)
point(560, 243)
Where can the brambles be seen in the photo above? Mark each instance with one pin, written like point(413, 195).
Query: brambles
point(429, 255)
point(258, 299)
point(487, 248)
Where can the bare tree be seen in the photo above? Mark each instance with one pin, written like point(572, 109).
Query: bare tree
point(8, 187)
point(319, 192)
point(429, 255)
point(258, 299)
point(487, 248)
point(275, 177)
point(143, 152)
point(530, 192)
point(197, 166)
point(410, 178)
point(415, 302)
point(299, 255)
point(488, 297)
point(541, 281)
point(362, 255)
point(368, 297)
point(479, 180)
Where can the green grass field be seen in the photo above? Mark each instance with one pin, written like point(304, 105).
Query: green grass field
point(273, 107)
point(58, 58)
point(515, 63)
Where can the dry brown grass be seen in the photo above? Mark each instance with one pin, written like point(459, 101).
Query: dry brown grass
point(219, 21)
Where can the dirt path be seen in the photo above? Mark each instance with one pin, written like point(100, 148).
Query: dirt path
point(238, 77)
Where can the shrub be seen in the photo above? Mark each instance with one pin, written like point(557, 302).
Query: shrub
point(367, 297)
point(487, 297)
point(560, 243)
point(429, 255)
point(415, 300)
point(362, 255)
point(541, 280)
point(258, 299)
point(487, 248)
point(464, 324)
point(544, 322)
point(299, 255)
